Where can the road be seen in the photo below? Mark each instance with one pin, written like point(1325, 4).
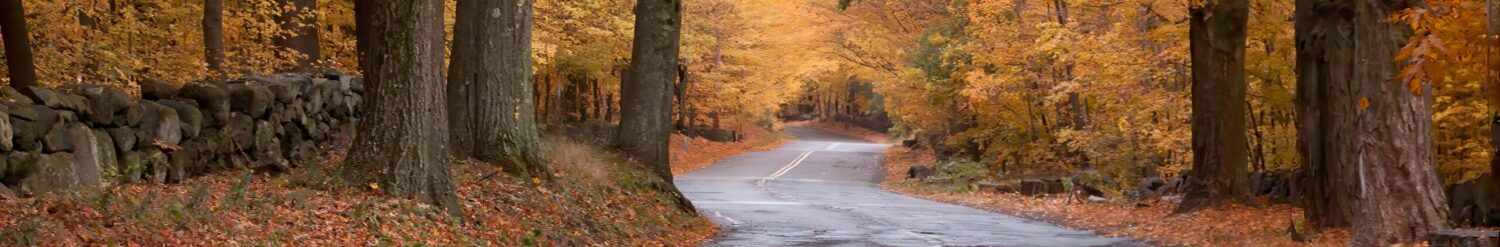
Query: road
point(821, 190)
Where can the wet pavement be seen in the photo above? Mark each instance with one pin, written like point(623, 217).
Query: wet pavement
point(821, 190)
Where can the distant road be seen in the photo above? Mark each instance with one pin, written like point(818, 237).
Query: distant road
point(821, 191)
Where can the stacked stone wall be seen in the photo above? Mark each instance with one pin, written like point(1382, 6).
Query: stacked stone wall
point(91, 136)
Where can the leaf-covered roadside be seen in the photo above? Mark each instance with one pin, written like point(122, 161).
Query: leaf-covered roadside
point(1150, 220)
point(693, 153)
point(602, 203)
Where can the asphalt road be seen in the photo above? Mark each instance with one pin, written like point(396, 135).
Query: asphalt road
point(821, 191)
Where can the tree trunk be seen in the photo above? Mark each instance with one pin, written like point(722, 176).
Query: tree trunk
point(504, 119)
point(1366, 138)
point(1220, 152)
point(646, 95)
point(399, 146)
point(213, 36)
point(18, 59)
point(301, 19)
point(463, 71)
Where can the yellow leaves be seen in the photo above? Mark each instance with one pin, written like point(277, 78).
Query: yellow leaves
point(375, 186)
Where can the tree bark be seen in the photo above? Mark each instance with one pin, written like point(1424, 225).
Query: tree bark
point(502, 112)
point(1220, 152)
point(19, 61)
point(213, 36)
point(300, 19)
point(463, 72)
point(399, 146)
point(1368, 136)
point(646, 95)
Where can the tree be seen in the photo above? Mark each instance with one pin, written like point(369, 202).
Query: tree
point(646, 95)
point(490, 87)
point(18, 59)
point(399, 146)
point(1220, 158)
point(1365, 134)
point(213, 35)
point(298, 18)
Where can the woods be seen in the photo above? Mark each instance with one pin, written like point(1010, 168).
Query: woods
point(1379, 118)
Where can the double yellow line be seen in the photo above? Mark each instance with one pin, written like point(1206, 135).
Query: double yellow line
point(785, 169)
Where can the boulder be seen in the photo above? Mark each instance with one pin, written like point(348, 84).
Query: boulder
point(1056, 186)
point(192, 119)
point(241, 131)
point(124, 138)
point(180, 162)
point(6, 132)
point(1152, 183)
point(250, 98)
point(213, 101)
point(357, 85)
point(28, 134)
point(54, 173)
point(132, 166)
point(107, 155)
point(7, 194)
point(58, 140)
point(48, 98)
point(13, 95)
point(920, 171)
point(161, 124)
point(153, 89)
point(284, 92)
point(157, 165)
point(88, 160)
point(131, 115)
point(267, 147)
point(21, 165)
point(997, 188)
point(1033, 187)
point(104, 103)
point(77, 103)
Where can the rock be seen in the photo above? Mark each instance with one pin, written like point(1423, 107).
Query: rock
point(77, 103)
point(357, 85)
point(4, 166)
point(1033, 187)
point(131, 116)
point(192, 119)
point(920, 172)
point(104, 103)
point(997, 188)
point(6, 132)
point(1463, 238)
point(157, 165)
point(284, 92)
point(21, 165)
point(241, 130)
point(124, 138)
point(153, 89)
point(251, 99)
point(1097, 199)
point(88, 165)
point(1056, 186)
point(58, 140)
point(267, 147)
point(180, 161)
point(161, 124)
point(28, 134)
point(107, 156)
point(213, 101)
point(48, 98)
point(10, 93)
point(1152, 183)
point(132, 166)
point(7, 194)
point(54, 174)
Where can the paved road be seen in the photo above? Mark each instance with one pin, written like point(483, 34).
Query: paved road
point(821, 191)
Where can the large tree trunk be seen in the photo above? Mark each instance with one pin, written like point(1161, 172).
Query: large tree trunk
point(1367, 136)
point(400, 141)
point(463, 71)
point(496, 68)
point(301, 20)
point(646, 95)
point(18, 59)
point(213, 36)
point(1217, 40)
point(1325, 105)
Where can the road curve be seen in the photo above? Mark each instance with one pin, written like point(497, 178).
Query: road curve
point(821, 191)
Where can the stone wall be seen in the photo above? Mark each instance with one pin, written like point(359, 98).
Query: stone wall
point(90, 136)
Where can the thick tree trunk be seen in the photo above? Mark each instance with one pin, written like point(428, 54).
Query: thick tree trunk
point(18, 59)
point(1367, 137)
point(301, 20)
point(1220, 152)
point(463, 71)
point(213, 36)
point(504, 120)
point(399, 147)
point(1325, 106)
point(646, 95)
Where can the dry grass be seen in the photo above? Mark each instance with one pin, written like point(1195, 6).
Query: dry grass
point(618, 208)
point(691, 153)
point(570, 158)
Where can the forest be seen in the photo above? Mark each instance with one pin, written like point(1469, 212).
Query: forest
point(1377, 120)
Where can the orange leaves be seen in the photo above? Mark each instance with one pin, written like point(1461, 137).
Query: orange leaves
point(1364, 103)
